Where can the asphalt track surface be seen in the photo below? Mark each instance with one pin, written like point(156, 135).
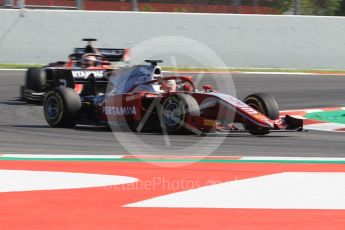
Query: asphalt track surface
point(24, 130)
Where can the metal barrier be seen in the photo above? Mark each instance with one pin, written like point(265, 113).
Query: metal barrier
point(253, 41)
point(307, 7)
point(192, 6)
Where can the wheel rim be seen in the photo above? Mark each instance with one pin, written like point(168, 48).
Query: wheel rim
point(254, 106)
point(52, 108)
point(172, 114)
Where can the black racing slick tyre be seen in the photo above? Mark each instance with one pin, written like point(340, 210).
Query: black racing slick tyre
point(35, 79)
point(174, 111)
point(21, 93)
point(265, 104)
point(62, 107)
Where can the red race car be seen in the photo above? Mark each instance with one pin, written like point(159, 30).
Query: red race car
point(140, 99)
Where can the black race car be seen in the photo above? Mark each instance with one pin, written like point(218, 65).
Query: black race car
point(84, 64)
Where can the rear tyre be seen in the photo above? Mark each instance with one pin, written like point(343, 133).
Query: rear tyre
point(62, 107)
point(175, 110)
point(21, 93)
point(265, 104)
point(35, 79)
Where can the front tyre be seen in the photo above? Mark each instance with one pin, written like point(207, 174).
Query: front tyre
point(62, 107)
point(175, 110)
point(265, 104)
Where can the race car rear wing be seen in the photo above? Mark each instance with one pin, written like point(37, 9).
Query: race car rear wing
point(70, 77)
point(113, 55)
point(86, 82)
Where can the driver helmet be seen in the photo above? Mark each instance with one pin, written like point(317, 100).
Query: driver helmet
point(170, 85)
point(90, 60)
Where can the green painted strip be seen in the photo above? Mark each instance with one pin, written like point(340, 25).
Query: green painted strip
point(178, 160)
point(337, 116)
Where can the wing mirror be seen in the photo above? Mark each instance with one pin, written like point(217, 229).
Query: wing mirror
point(207, 88)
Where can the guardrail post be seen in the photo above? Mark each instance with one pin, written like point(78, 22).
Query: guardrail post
point(297, 10)
point(79, 4)
point(237, 5)
point(135, 5)
point(256, 5)
point(20, 4)
point(8, 3)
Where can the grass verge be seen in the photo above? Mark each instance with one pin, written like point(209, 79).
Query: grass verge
point(18, 66)
point(207, 69)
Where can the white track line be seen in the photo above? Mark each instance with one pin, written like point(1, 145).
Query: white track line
point(24, 180)
point(326, 127)
point(170, 157)
point(263, 158)
point(13, 69)
point(232, 72)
